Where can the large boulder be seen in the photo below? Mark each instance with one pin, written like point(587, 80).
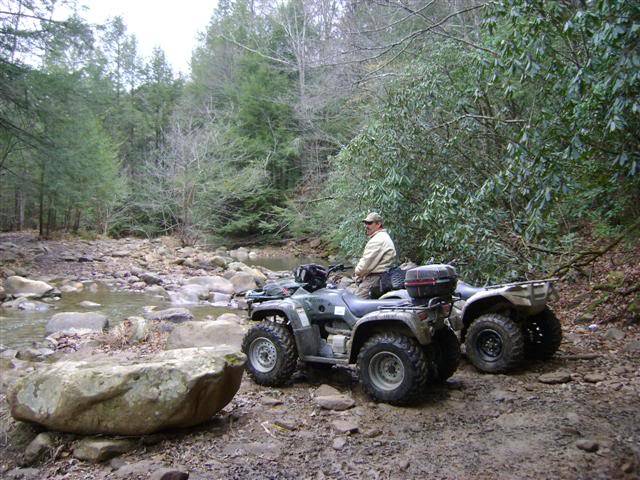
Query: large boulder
point(243, 281)
point(189, 294)
point(23, 287)
point(175, 315)
point(207, 334)
point(212, 283)
point(77, 322)
point(172, 389)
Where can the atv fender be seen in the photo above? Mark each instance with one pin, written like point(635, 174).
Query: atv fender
point(478, 304)
point(307, 336)
point(382, 320)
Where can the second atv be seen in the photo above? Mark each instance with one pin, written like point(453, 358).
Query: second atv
point(399, 346)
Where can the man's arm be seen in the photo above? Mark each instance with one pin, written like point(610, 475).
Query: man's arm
point(370, 257)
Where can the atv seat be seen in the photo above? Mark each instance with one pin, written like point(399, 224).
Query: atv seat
point(465, 291)
point(360, 306)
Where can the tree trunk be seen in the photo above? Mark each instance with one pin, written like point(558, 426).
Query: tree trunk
point(76, 221)
point(18, 212)
point(41, 210)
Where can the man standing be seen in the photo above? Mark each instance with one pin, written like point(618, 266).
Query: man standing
point(379, 255)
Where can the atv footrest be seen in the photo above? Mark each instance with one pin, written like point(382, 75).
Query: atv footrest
point(334, 360)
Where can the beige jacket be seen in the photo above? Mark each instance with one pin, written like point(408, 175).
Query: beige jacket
point(379, 255)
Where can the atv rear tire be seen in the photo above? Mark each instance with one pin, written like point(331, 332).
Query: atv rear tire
point(271, 353)
point(542, 335)
point(494, 343)
point(393, 368)
point(446, 349)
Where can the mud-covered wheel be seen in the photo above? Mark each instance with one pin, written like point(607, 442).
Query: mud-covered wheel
point(494, 343)
point(271, 353)
point(393, 368)
point(542, 335)
point(446, 354)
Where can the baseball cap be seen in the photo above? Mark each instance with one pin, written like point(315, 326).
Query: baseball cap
point(373, 217)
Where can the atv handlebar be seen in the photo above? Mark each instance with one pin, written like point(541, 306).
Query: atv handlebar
point(338, 268)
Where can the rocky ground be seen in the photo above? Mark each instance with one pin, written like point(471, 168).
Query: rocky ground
point(576, 416)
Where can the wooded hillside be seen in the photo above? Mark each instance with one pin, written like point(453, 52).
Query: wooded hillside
point(504, 134)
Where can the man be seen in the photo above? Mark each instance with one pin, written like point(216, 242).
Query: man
point(379, 255)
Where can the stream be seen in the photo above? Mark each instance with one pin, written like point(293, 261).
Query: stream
point(21, 328)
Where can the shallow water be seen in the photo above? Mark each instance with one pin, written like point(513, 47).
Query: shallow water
point(282, 263)
point(19, 328)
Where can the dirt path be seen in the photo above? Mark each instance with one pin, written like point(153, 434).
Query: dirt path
point(475, 426)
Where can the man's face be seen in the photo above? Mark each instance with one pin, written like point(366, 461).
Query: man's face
point(371, 227)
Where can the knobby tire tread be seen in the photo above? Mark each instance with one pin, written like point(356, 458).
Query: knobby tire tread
point(285, 344)
point(514, 339)
point(416, 357)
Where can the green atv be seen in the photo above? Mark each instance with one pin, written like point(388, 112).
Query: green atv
point(399, 345)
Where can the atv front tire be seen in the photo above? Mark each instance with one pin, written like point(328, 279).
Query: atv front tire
point(494, 343)
point(393, 368)
point(446, 353)
point(271, 353)
point(542, 335)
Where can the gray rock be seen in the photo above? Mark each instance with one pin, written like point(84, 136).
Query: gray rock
point(335, 402)
point(286, 424)
point(220, 298)
point(157, 290)
point(325, 390)
point(23, 303)
point(151, 278)
point(555, 377)
point(220, 261)
point(140, 329)
point(345, 426)
point(120, 253)
point(240, 267)
point(77, 322)
point(23, 474)
point(243, 282)
point(137, 469)
point(588, 445)
point(175, 315)
point(38, 447)
point(614, 334)
point(189, 295)
point(213, 284)
point(207, 334)
point(502, 396)
point(339, 443)
point(135, 396)
point(23, 287)
point(88, 304)
point(594, 377)
point(34, 354)
point(169, 474)
point(259, 277)
point(632, 347)
point(100, 449)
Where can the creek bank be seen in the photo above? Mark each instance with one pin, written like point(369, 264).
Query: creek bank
point(473, 426)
